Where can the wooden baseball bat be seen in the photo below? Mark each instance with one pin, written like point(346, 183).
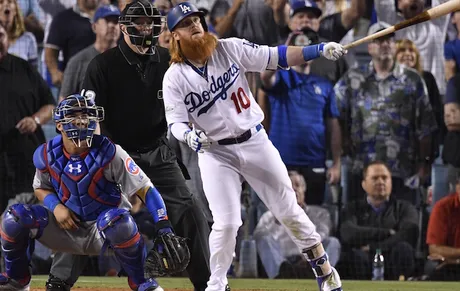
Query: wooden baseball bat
point(432, 13)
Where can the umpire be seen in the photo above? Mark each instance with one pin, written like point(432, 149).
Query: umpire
point(127, 82)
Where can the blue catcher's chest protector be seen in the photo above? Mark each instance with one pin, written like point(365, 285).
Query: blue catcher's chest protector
point(79, 180)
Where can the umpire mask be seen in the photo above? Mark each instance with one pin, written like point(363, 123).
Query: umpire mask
point(144, 23)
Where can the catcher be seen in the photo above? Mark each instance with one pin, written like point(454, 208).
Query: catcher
point(84, 181)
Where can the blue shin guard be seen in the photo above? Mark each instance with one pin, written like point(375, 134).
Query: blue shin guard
point(120, 233)
point(17, 245)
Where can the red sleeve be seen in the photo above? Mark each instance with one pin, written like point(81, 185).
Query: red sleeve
point(438, 225)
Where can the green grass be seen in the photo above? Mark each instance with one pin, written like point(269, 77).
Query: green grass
point(255, 284)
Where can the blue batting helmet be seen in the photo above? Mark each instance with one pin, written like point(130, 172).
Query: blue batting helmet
point(79, 116)
point(181, 11)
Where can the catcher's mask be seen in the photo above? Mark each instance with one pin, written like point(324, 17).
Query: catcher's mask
point(144, 23)
point(79, 116)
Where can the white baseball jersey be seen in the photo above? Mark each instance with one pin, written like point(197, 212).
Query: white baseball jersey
point(121, 170)
point(219, 100)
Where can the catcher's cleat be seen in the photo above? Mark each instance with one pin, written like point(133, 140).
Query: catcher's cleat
point(330, 282)
point(150, 285)
point(9, 284)
point(56, 284)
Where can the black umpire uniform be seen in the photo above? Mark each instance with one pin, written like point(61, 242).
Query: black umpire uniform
point(128, 85)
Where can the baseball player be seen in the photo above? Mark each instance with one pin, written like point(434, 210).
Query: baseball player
point(84, 182)
point(206, 86)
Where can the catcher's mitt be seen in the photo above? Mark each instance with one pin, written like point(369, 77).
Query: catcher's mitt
point(169, 255)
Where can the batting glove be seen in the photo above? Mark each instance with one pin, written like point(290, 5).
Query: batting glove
point(197, 140)
point(333, 51)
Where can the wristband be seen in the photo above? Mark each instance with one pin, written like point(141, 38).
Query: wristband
point(312, 51)
point(51, 201)
point(282, 56)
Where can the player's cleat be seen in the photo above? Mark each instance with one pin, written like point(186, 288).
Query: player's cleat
point(8, 284)
point(150, 285)
point(227, 288)
point(56, 284)
point(330, 282)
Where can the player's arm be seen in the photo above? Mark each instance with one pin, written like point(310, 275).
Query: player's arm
point(156, 207)
point(45, 193)
point(178, 119)
point(258, 58)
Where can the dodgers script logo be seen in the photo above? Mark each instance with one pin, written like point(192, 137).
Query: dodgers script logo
point(219, 87)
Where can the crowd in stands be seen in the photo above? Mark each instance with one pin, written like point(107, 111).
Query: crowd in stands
point(371, 142)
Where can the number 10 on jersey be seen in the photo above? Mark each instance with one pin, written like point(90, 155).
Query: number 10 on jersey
point(241, 100)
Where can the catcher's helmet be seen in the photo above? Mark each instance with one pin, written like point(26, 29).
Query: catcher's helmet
point(142, 34)
point(181, 11)
point(79, 116)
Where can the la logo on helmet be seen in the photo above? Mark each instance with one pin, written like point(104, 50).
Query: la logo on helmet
point(184, 8)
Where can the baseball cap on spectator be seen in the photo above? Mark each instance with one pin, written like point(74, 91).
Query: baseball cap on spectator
point(378, 26)
point(106, 11)
point(304, 5)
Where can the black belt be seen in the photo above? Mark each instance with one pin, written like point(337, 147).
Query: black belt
point(239, 139)
point(145, 149)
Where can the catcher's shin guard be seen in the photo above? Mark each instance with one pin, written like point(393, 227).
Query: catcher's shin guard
point(17, 245)
point(327, 277)
point(118, 229)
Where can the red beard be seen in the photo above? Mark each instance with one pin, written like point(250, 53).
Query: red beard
point(200, 48)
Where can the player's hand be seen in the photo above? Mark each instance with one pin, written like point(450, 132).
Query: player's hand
point(333, 51)
point(26, 125)
point(65, 218)
point(197, 140)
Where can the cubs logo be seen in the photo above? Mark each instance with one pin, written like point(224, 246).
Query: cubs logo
point(131, 166)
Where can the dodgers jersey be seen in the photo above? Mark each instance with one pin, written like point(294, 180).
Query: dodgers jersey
point(219, 101)
point(122, 170)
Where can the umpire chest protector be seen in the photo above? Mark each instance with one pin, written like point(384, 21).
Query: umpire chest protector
point(79, 179)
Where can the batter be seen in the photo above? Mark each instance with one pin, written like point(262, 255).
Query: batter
point(206, 86)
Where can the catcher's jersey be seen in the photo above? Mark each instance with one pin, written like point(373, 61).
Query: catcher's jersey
point(217, 98)
point(122, 170)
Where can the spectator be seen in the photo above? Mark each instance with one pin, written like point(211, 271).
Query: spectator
point(306, 13)
point(252, 20)
point(379, 221)
point(451, 153)
point(277, 250)
point(386, 115)
point(26, 103)
point(105, 26)
point(303, 117)
point(30, 10)
point(443, 237)
point(22, 43)
point(428, 36)
point(70, 32)
point(452, 50)
point(408, 54)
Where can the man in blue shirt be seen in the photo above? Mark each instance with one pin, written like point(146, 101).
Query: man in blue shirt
point(303, 111)
point(452, 50)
